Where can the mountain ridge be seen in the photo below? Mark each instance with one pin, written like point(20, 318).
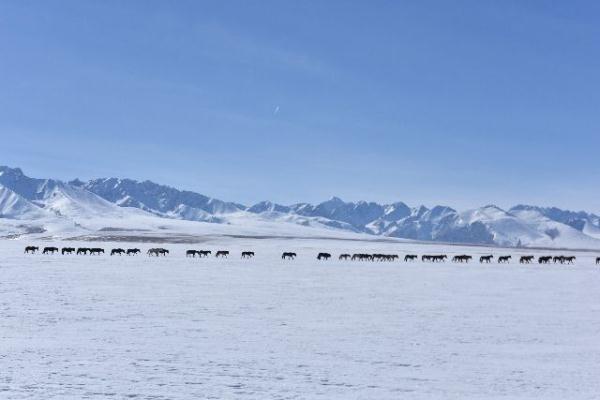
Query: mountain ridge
point(118, 198)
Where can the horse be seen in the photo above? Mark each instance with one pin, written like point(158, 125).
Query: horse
point(288, 256)
point(133, 251)
point(50, 250)
point(385, 257)
point(486, 259)
point(362, 257)
point(67, 250)
point(569, 259)
point(344, 256)
point(204, 253)
point(463, 258)
point(247, 254)
point(410, 257)
point(526, 259)
point(544, 259)
point(157, 251)
point(31, 249)
point(192, 253)
point(597, 260)
point(439, 258)
point(118, 251)
point(222, 253)
point(83, 250)
point(323, 256)
point(96, 250)
point(503, 259)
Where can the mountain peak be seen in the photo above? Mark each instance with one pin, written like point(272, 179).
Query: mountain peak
point(17, 172)
point(335, 199)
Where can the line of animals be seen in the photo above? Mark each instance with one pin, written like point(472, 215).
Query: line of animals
point(158, 251)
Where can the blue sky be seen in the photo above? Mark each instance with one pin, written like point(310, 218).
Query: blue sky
point(462, 103)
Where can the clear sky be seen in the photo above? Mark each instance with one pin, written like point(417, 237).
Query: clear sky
point(462, 103)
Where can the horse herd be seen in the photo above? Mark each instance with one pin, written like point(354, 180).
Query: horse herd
point(435, 258)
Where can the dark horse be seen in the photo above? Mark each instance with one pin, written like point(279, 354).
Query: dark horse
point(544, 259)
point(288, 256)
point(410, 257)
point(222, 253)
point(96, 250)
point(526, 259)
point(344, 257)
point(133, 251)
point(486, 259)
point(50, 250)
point(118, 251)
point(157, 251)
point(597, 260)
point(569, 259)
point(83, 250)
point(67, 250)
point(247, 254)
point(192, 253)
point(463, 258)
point(503, 259)
point(31, 249)
point(323, 256)
point(362, 257)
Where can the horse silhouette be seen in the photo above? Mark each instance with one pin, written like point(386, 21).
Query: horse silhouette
point(133, 251)
point(362, 257)
point(526, 259)
point(503, 259)
point(222, 253)
point(544, 259)
point(192, 253)
point(83, 250)
point(434, 257)
point(385, 257)
point(486, 259)
point(288, 256)
point(569, 259)
point(247, 254)
point(31, 249)
point(323, 256)
point(344, 257)
point(157, 251)
point(96, 250)
point(50, 250)
point(410, 257)
point(463, 258)
point(67, 250)
point(118, 251)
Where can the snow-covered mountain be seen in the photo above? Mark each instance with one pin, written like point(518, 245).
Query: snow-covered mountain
point(159, 199)
point(110, 204)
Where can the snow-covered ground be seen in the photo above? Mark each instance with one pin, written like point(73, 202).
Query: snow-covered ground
point(74, 327)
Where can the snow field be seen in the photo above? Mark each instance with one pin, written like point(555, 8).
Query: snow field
point(77, 327)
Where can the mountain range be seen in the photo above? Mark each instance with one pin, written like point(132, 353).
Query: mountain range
point(33, 206)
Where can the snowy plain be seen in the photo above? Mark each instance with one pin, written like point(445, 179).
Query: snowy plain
point(75, 327)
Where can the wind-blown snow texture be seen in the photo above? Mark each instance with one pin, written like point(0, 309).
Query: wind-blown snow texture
point(34, 205)
point(105, 327)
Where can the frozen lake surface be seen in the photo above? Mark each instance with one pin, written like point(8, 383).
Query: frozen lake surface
point(74, 327)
